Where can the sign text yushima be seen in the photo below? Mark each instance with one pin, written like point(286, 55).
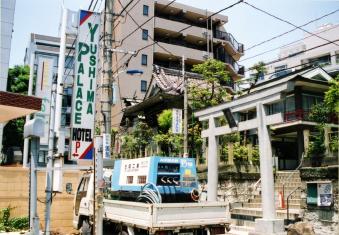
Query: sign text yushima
point(83, 105)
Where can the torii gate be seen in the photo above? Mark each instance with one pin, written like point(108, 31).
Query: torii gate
point(269, 224)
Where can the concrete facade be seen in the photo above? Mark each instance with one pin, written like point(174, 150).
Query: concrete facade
point(47, 47)
point(7, 8)
point(326, 56)
point(178, 30)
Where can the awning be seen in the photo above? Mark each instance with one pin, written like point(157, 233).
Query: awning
point(14, 105)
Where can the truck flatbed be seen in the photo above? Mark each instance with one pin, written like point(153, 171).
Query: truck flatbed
point(167, 216)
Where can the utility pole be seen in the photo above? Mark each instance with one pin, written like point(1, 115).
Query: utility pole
point(49, 170)
point(60, 87)
point(185, 107)
point(106, 86)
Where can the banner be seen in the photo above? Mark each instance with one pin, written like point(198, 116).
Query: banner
point(43, 90)
point(83, 103)
point(176, 121)
point(324, 194)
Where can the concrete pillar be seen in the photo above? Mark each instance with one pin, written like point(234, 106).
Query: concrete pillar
point(212, 165)
point(268, 224)
point(300, 142)
point(230, 159)
point(250, 154)
point(306, 135)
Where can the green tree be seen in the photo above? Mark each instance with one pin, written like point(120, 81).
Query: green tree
point(17, 82)
point(18, 78)
point(170, 144)
point(165, 120)
point(211, 91)
point(332, 96)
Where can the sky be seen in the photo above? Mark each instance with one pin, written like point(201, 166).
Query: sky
point(247, 25)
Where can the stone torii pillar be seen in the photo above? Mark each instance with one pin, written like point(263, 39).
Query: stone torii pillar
point(269, 224)
point(212, 163)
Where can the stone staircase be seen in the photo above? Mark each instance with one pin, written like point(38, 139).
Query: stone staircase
point(244, 214)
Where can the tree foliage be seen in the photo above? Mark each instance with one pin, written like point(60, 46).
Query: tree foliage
point(211, 93)
point(332, 96)
point(169, 143)
point(18, 78)
point(17, 82)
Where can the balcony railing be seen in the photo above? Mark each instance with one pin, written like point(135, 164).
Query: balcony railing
point(304, 115)
point(229, 37)
point(180, 18)
point(239, 69)
point(180, 42)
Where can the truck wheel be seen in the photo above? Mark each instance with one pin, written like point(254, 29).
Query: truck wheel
point(86, 228)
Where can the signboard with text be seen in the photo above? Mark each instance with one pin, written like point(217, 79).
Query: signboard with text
point(43, 90)
point(176, 121)
point(83, 103)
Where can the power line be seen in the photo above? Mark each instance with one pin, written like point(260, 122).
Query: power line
point(289, 31)
point(185, 28)
point(288, 44)
point(293, 55)
point(139, 26)
point(79, 48)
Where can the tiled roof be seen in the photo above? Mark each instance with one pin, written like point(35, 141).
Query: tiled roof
point(171, 82)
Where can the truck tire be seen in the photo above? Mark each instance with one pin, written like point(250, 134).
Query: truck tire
point(86, 228)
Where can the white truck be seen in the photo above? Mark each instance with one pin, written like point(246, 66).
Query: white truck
point(138, 218)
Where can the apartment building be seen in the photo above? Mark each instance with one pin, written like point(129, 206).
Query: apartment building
point(45, 52)
point(172, 30)
point(311, 50)
point(7, 9)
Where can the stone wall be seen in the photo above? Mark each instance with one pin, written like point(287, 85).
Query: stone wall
point(325, 220)
point(14, 192)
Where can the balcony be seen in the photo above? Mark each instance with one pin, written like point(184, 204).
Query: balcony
point(166, 25)
point(180, 42)
point(234, 68)
point(179, 50)
point(231, 45)
point(303, 115)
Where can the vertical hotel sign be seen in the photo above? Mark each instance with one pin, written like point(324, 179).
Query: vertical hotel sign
point(83, 104)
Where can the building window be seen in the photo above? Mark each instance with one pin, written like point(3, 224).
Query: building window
point(337, 58)
point(69, 62)
point(142, 179)
point(144, 59)
point(145, 10)
point(281, 71)
point(143, 86)
point(144, 34)
point(129, 179)
point(321, 61)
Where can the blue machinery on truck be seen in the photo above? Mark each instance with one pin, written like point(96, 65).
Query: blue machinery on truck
point(155, 179)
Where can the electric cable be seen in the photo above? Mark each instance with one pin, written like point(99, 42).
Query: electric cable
point(72, 66)
point(139, 26)
point(289, 31)
point(285, 45)
point(295, 54)
point(185, 28)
